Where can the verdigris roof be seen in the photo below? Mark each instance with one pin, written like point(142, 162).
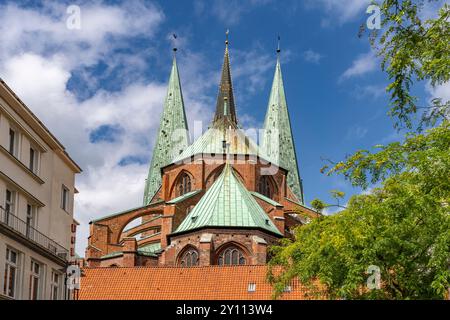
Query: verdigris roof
point(266, 199)
point(184, 197)
point(150, 249)
point(173, 124)
point(225, 107)
point(278, 142)
point(227, 203)
point(211, 142)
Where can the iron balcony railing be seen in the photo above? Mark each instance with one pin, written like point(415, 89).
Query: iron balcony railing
point(14, 223)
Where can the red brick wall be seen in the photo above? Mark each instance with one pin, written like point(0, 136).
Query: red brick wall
point(105, 235)
point(255, 252)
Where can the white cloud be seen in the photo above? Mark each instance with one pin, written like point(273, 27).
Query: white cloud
point(365, 63)
point(231, 11)
point(339, 11)
point(38, 57)
point(105, 187)
point(430, 9)
point(371, 91)
point(251, 67)
point(356, 132)
point(440, 91)
point(312, 56)
point(45, 31)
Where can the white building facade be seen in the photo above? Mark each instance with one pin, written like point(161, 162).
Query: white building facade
point(37, 188)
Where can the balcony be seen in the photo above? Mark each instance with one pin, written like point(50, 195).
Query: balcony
point(20, 227)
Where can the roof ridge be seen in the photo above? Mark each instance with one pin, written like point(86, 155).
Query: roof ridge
point(183, 268)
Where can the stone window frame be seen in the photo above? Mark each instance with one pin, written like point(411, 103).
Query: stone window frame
point(232, 248)
point(184, 183)
point(266, 186)
point(187, 253)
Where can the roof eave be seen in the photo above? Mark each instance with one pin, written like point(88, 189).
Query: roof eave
point(278, 235)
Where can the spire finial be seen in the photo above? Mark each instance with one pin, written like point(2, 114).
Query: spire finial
point(278, 47)
point(226, 35)
point(174, 43)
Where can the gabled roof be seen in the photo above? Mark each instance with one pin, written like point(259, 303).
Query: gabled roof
point(227, 203)
point(278, 142)
point(173, 119)
point(195, 283)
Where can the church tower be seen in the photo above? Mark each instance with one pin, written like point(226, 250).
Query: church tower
point(216, 201)
point(225, 107)
point(172, 136)
point(278, 142)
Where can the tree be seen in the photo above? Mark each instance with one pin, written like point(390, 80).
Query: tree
point(413, 50)
point(403, 225)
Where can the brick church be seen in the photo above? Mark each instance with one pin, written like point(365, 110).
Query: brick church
point(219, 201)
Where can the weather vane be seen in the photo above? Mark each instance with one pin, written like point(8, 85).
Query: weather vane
point(278, 48)
point(174, 42)
point(227, 33)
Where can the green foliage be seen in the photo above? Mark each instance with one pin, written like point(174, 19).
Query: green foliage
point(413, 50)
point(403, 227)
point(337, 194)
point(318, 205)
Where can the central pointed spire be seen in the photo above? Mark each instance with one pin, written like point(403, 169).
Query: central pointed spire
point(225, 108)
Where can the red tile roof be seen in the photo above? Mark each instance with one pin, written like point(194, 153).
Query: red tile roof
point(172, 283)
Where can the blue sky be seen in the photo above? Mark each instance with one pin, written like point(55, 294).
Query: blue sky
point(107, 81)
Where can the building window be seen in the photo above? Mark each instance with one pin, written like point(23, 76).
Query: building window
point(10, 205)
point(31, 221)
point(189, 258)
point(35, 280)
point(65, 198)
point(55, 286)
point(231, 256)
point(184, 185)
point(34, 160)
point(11, 273)
point(13, 142)
point(265, 187)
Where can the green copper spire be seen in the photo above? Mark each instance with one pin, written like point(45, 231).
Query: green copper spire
point(227, 204)
point(281, 149)
point(172, 136)
point(225, 108)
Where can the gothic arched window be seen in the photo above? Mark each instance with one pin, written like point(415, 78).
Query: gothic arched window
point(265, 187)
point(184, 184)
point(231, 256)
point(189, 258)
